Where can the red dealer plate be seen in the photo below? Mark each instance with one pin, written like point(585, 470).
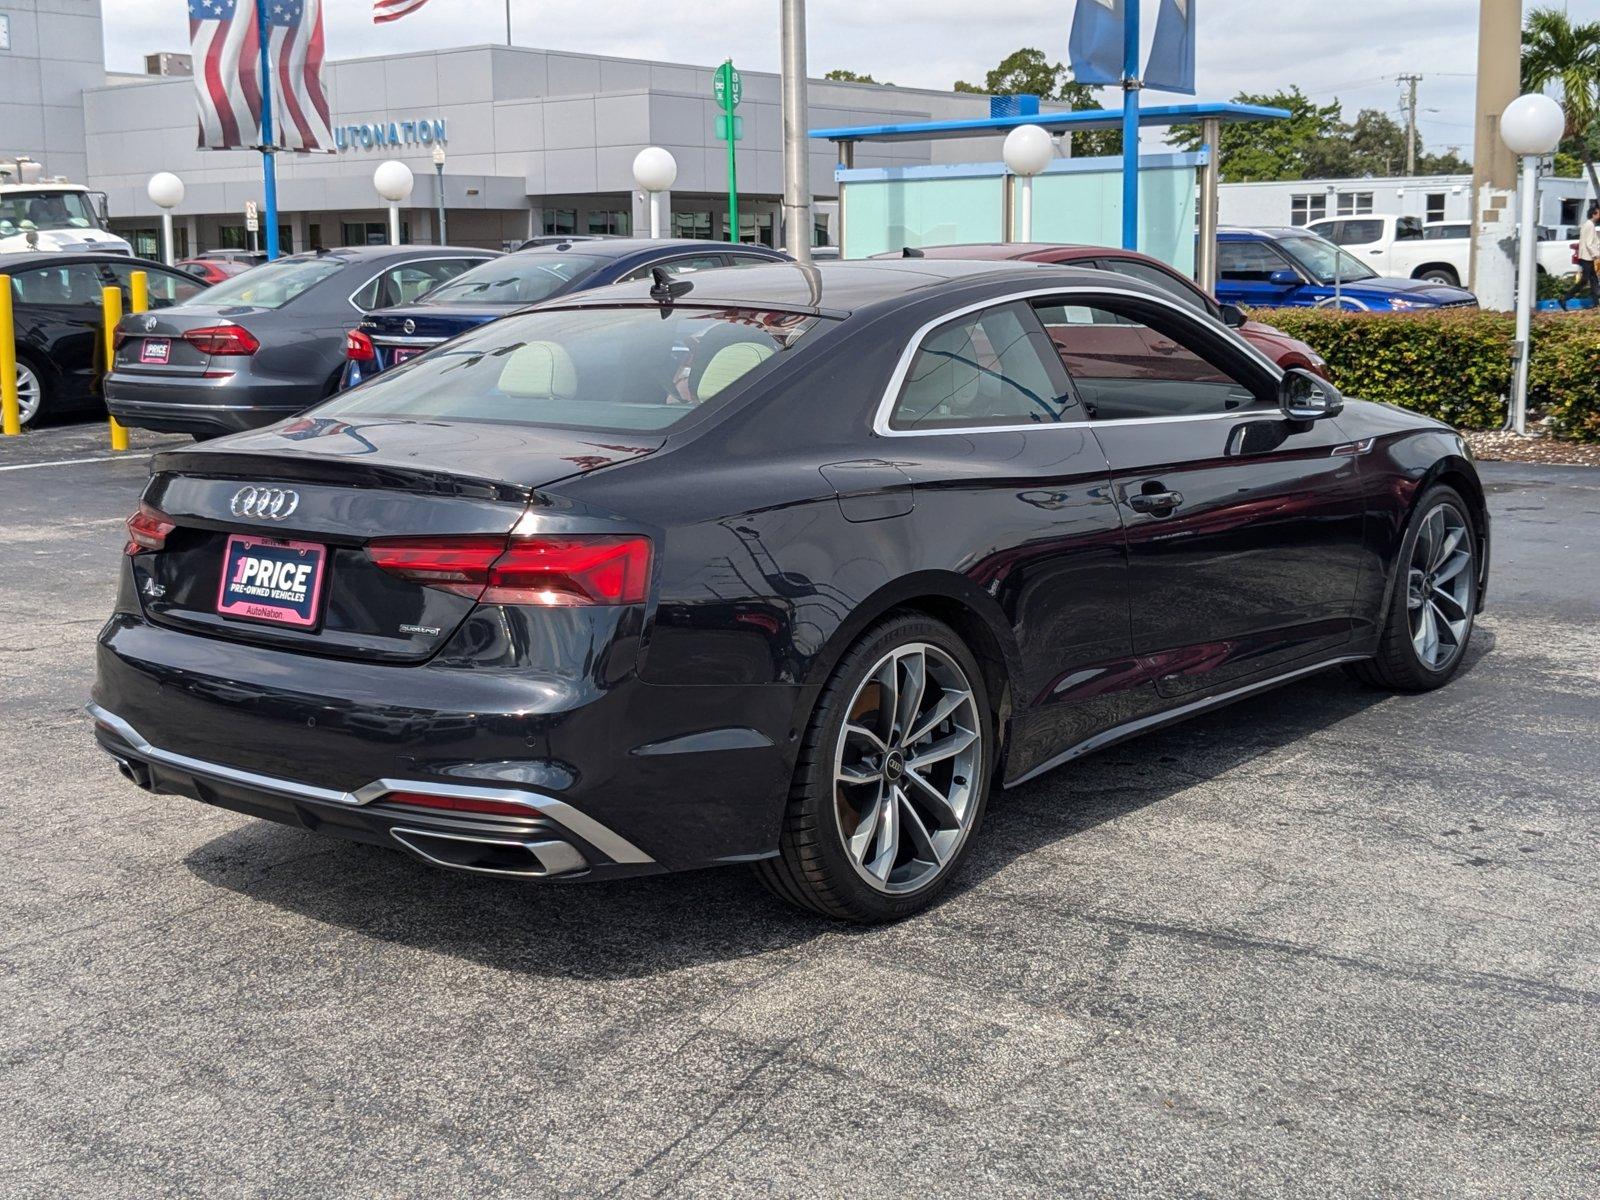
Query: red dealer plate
point(264, 579)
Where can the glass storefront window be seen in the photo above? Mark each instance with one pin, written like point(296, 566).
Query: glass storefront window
point(616, 221)
point(691, 225)
point(371, 233)
point(561, 220)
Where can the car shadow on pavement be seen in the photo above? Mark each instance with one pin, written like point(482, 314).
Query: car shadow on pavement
point(658, 924)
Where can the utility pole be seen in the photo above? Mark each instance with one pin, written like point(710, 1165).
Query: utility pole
point(1410, 82)
point(796, 144)
point(1494, 167)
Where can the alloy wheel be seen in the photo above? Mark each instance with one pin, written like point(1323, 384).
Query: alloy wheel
point(29, 392)
point(1439, 583)
point(906, 768)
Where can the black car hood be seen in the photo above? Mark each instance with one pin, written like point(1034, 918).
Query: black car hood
point(466, 458)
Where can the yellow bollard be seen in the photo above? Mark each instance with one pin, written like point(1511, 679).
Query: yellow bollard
point(10, 412)
point(111, 304)
point(139, 292)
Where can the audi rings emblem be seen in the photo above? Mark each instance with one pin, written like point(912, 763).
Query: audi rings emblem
point(410, 326)
point(265, 503)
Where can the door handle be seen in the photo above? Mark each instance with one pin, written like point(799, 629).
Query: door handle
point(1159, 502)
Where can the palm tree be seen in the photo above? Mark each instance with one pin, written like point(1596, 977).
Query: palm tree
point(1555, 51)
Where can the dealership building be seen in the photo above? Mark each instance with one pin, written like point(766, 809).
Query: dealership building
point(535, 141)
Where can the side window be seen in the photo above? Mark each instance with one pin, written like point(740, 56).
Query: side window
point(1145, 273)
point(1332, 230)
point(1125, 369)
point(747, 260)
point(409, 282)
point(678, 266)
point(1248, 262)
point(77, 284)
point(166, 287)
point(990, 369)
point(1359, 233)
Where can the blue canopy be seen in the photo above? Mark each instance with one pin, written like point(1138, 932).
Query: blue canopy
point(1088, 118)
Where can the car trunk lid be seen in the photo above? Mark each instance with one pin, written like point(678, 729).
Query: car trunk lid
point(273, 528)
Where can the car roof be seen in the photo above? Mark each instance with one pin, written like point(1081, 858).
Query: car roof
point(1242, 232)
point(360, 254)
point(622, 247)
point(27, 259)
point(839, 287)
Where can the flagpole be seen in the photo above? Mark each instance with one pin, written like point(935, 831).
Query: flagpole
point(268, 148)
point(1130, 126)
point(508, 22)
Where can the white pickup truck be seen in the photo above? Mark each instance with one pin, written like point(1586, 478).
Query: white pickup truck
point(1408, 248)
point(51, 214)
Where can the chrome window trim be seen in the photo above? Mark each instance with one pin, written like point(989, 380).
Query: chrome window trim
point(351, 298)
point(612, 844)
point(880, 422)
point(398, 339)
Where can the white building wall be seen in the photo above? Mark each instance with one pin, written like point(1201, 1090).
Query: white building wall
point(1274, 203)
point(56, 52)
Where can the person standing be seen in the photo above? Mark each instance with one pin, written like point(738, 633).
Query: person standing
point(1589, 251)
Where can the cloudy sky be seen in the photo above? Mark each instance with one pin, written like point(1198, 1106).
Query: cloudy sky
point(1349, 49)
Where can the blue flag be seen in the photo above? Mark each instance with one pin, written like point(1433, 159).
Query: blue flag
point(1095, 47)
point(1171, 65)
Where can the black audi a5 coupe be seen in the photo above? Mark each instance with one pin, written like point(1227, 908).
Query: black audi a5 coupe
point(785, 565)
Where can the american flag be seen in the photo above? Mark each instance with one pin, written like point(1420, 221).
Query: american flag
point(393, 10)
point(227, 73)
point(299, 104)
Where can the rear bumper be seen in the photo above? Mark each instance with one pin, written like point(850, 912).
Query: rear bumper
point(630, 779)
point(554, 839)
point(208, 406)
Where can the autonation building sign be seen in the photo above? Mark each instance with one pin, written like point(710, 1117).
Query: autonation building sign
point(423, 131)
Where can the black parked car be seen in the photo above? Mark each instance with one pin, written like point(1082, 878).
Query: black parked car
point(267, 343)
point(56, 301)
point(393, 335)
point(783, 565)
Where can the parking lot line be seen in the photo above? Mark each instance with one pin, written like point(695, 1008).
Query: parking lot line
point(68, 462)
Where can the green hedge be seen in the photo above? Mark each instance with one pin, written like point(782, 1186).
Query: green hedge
point(1456, 364)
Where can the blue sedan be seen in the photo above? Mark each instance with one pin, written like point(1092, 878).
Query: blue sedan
point(390, 336)
point(1293, 268)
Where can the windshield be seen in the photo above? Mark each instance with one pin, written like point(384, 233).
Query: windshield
point(1321, 259)
point(272, 285)
point(609, 369)
point(22, 211)
point(516, 279)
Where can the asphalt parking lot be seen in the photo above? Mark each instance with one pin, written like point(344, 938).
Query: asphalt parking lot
point(1326, 942)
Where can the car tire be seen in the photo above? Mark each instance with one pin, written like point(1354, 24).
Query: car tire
point(875, 828)
point(1435, 596)
point(1440, 275)
point(33, 395)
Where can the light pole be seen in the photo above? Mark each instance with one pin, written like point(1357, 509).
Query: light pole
point(438, 171)
point(1027, 151)
point(394, 182)
point(796, 141)
point(655, 171)
point(166, 192)
point(1531, 126)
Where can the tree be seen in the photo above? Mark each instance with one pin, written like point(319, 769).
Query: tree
point(1268, 150)
point(1029, 72)
point(1555, 51)
point(844, 76)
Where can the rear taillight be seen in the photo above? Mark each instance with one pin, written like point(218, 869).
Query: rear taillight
point(559, 571)
point(499, 808)
point(218, 340)
point(358, 347)
point(117, 338)
point(147, 530)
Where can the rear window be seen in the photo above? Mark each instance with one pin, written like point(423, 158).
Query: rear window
point(272, 285)
point(516, 279)
point(617, 369)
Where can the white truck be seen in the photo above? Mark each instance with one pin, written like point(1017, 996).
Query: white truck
point(1408, 248)
point(51, 214)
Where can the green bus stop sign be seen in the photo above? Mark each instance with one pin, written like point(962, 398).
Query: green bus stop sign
point(728, 86)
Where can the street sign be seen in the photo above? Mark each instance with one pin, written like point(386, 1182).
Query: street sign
point(726, 80)
point(728, 88)
point(252, 220)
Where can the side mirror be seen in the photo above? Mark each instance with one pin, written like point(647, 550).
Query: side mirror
point(1233, 316)
point(1303, 396)
point(1284, 278)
